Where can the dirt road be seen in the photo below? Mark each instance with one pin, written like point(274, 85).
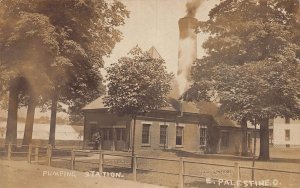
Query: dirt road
point(20, 174)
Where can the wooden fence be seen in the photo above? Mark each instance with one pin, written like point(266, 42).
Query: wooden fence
point(35, 153)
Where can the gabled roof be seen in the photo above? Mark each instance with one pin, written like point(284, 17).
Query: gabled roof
point(96, 104)
point(175, 106)
point(213, 110)
point(178, 106)
point(154, 53)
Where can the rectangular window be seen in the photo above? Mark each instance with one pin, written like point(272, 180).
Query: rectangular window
point(163, 134)
point(271, 136)
point(179, 136)
point(225, 139)
point(203, 133)
point(146, 134)
point(287, 135)
point(287, 120)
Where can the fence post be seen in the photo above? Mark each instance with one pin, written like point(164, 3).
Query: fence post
point(72, 159)
point(237, 174)
point(49, 154)
point(36, 154)
point(29, 153)
point(134, 167)
point(9, 151)
point(181, 173)
point(100, 162)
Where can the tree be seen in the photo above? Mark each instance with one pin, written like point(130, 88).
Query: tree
point(137, 84)
point(28, 47)
point(89, 31)
point(252, 62)
point(85, 31)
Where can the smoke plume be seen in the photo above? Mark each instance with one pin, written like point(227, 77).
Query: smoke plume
point(192, 6)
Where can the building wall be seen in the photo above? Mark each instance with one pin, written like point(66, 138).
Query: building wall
point(190, 135)
point(189, 123)
point(191, 139)
point(279, 133)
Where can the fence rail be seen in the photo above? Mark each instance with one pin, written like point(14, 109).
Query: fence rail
point(36, 152)
point(212, 164)
point(271, 170)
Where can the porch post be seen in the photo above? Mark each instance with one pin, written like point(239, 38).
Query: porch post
point(219, 143)
point(84, 140)
point(114, 138)
point(130, 136)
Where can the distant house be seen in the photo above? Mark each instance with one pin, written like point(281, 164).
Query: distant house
point(285, 132)
point(64, 134)
point(178, 127)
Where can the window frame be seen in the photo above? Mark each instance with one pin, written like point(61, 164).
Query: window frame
point(166, 134)
point(287, 120)
point(149, 134)
point(182, 136)
point(227, 133)
point(287, 136)
point(205, 137)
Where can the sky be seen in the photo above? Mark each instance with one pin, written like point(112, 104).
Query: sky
point(155, 23)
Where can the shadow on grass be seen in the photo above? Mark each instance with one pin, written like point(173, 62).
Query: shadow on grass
point(227, 157)
point(284, 160)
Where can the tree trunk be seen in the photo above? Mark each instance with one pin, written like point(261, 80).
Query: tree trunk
point(264, 154)
point(53, 121)
point(244, 137)
point(133, 141)
point(12, 115)
point(254, 152)
point(29, 121)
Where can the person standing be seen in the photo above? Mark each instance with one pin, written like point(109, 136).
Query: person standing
point(96, 140)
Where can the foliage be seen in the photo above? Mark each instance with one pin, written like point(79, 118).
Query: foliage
point(56, 48)
point(78, 33)
point(137, 84)
point(252, 62)
point(28, 43)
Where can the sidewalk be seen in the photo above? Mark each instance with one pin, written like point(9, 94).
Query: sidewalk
point(20, 174)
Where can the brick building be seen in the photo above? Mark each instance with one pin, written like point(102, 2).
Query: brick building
point(168, 128)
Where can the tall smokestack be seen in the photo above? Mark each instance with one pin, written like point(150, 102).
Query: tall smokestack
point(187, 52)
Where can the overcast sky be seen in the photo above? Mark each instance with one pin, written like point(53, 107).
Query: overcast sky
point(155, 23)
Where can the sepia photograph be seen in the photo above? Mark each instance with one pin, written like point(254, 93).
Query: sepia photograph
point(150, 93)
